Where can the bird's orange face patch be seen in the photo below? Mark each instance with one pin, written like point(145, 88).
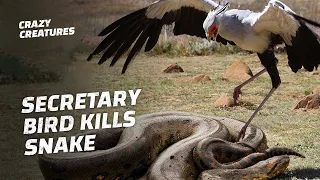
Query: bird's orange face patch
point(212, 31)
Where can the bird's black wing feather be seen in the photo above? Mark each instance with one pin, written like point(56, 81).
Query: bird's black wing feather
point(136, 28)
point(305, 49)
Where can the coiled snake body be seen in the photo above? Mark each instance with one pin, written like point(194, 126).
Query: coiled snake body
point(169, 145)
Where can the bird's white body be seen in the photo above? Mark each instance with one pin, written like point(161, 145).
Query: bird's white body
point(235, 25)
point(251, 30)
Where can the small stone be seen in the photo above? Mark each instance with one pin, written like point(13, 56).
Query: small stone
point(174, 68)
point(195, 79)
point(224, 101)
point(238, 71)
point(311, 101)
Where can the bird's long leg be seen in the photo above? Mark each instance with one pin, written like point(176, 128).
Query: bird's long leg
point(269, 61)
point(244, 128)
point(237, 90)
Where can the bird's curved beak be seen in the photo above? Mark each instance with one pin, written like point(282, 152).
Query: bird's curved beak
point(212, 31)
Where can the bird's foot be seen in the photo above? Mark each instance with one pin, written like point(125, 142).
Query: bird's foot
point(236, 94)
point(241, 133)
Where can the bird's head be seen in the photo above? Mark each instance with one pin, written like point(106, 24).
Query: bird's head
point(210, 25)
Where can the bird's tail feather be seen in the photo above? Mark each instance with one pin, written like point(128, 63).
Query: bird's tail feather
point(305, 20)
point(305, 49)
point(300, 18)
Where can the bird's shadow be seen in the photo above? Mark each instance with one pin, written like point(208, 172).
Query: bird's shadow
point(301, 174)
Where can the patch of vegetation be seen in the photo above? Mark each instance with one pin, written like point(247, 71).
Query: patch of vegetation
point(170, 49)
point(307, 92)
point(13, 70)
point(305, 146)
point(205, 47)
point(199, 47)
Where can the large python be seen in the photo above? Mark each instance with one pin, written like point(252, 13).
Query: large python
point(170, 146)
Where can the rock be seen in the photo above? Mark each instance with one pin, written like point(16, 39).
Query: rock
point(316, 90)
point(196, 79)
point(224, 101)
point(238, 71)
point(311, 101)
point(174, 68)
point(201, 77)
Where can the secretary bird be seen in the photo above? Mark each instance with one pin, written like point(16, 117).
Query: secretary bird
point(253, 31)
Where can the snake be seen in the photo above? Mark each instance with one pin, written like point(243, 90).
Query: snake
point(170, 146)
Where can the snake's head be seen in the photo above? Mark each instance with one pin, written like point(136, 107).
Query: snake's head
point(277, 165)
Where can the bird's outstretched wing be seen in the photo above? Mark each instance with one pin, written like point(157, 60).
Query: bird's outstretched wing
point(276, 19)
point(144, 27)
point(302, 46)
